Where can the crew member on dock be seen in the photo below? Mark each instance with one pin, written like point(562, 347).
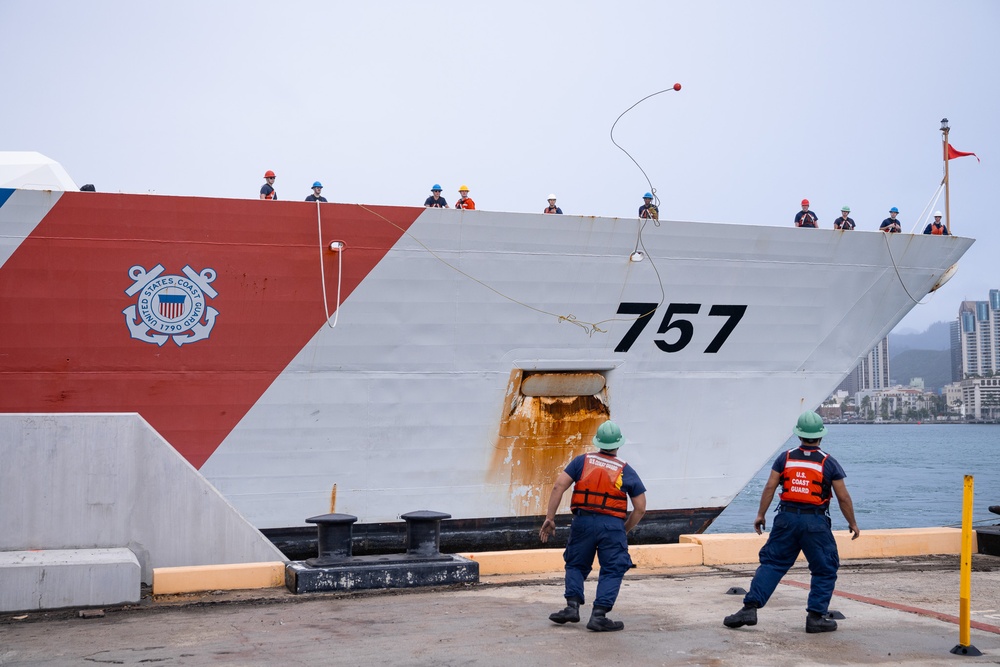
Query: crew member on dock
point(648, 210)
point(602, 484)
point(844, 222)
point(465, 201)
point(552, 208)
point(435, 200)
point(891, 225)
point(316, 196)
point(937, 227)
point(806, 476)
point(805, 217)
point(267, 190)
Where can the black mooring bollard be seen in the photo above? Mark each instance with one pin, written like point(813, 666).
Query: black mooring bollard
point(334, 538)
point(423, 532)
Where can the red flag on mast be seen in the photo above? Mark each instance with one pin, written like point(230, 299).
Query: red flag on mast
point(952, 154)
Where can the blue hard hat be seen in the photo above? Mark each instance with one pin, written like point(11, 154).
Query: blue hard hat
point(435, 188)
point(317, 184)
point(893, 210)
point(648, 195)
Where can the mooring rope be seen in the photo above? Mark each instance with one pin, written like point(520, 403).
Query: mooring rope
point(322, 271)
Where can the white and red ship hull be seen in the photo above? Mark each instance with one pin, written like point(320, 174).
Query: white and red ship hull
point(468, 356)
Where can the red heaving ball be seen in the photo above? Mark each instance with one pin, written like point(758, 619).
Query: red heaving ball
point(677, 86)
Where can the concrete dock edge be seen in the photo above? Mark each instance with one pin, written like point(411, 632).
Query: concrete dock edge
point(692, 550)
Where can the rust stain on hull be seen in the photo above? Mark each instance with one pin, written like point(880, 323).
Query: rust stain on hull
point(333, 499)
point(538, 436)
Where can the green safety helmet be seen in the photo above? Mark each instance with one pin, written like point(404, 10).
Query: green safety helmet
point(845, 209)
point(609, 436)
point(810, 426)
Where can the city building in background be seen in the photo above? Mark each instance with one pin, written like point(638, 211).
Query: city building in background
point(975, 398)
point(871, 373)
point(975, 338)
point(975, 359)
point(973, 395)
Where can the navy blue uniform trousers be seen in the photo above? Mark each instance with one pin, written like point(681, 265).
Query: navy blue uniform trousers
point(604, 535)
point(791, 533)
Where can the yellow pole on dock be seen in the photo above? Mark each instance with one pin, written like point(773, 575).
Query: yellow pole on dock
point(965, 582)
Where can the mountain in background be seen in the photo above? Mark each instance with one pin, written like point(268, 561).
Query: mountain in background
point(937, 337)
point(932, 366)
point(924, 355)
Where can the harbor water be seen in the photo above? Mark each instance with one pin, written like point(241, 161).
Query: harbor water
point(899, 476)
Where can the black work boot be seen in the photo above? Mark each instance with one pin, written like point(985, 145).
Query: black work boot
point(600, 623)
point(571, 614)
point(745, 616)
point(816, 622)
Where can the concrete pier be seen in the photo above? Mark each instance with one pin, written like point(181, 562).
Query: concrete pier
point(899, 611)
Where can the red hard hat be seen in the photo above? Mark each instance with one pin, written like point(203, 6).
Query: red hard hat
point(268, 174)
point(805, 202)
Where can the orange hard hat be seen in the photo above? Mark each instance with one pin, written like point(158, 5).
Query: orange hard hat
point(805, 202)
point(268, 174)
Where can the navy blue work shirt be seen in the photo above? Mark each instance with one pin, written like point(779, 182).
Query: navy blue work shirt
point(801, 214)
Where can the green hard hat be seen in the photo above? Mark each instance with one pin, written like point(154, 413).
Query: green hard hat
point(609, 436)
point(845, 209)
point(810, 426)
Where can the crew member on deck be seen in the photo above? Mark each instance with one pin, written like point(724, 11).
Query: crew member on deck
point(435, 200)
point(649, 210)
point(552, 208)
point(464, 200)
point(937, 227)
point(808, 477)
point(267, 190)
point(844, 222)
point(891, 225)
point(602, 484)
point(805, 217)
point(316, 196)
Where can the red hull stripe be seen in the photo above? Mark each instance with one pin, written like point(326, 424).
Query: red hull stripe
point(65, 345)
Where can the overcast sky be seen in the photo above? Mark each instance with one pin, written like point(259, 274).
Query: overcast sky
point(839, 102)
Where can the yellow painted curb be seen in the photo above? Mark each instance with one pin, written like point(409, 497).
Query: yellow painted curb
point(723, 549)
point(533, 561)
point(902, 542)
point(726, 549)
point(234, 576)
point(666, 555)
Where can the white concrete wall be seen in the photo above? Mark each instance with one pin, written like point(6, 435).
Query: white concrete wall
point(92, 481)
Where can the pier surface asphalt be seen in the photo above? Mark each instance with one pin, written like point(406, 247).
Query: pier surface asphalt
point(895, 612)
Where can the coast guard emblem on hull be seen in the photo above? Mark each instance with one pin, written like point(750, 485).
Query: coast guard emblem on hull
point(170, 306)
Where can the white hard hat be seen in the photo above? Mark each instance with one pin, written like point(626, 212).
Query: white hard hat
point(552, 196)
point(938, 214)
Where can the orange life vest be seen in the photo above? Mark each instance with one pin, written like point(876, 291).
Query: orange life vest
point(466, 203)
point(600, 486)
point(802, 480)
point(937, 229)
